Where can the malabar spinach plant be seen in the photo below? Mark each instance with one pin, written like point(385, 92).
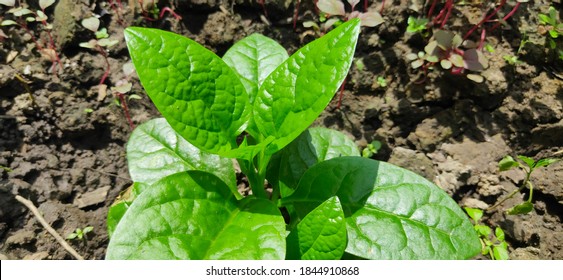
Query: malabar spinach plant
point(255, 105)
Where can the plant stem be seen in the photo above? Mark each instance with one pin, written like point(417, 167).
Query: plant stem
point(341, 93)
point(485, 19)
point(511, 13)
point(296, 14)
point(121, 97)
point(526, 182)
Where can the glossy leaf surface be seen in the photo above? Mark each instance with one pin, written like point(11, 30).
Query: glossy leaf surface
point(193, 215)
point(200, 96)
point(295, 94)
point(391, 213)
point(155, 151)
point(321, 235)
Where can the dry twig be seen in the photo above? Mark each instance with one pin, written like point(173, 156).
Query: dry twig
point(44, 223)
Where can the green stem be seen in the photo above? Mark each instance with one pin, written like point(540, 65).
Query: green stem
point(526, 182)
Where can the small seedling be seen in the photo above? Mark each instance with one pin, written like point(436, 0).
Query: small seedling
point(5, 168)
point(417, 25)
point(336, 8)
point(80, 234)
point(528, 165)
point(99, 44)
point(381, 81)
point(151, 12)
point(256, 105)
point(121, 90)
point(23, 16)
point(515, 59)
point(452, 53)
point(550, 24)
point(493, 245)
point(371, 149)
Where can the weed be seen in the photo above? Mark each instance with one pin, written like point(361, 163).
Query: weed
point(528, 165)
point(492, 245)
point(80, 234)
point(23, 16)
point(99, 44)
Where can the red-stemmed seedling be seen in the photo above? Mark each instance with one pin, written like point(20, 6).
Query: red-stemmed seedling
point(151, 12)
point(99, 44)
point(23, 16)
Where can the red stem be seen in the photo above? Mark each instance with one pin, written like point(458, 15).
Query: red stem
point(341, 93)
point(449, 7)
point(296, 14)
point(262, 4)
point(507, 16)
point(170, 11)
point(105, 55)
point(380, 10)
point(125, 108)
point(485, 19)
point(431, 10)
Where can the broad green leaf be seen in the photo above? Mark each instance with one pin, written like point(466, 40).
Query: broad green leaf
point(391, 213)
point(254, 58)
point(522, 208)
point(321, 235)
point(193, 215)
point(507, 163)
point(155, 151)
point(200, 96)
point(528, 160)
point(311, 147)
point(296, 93)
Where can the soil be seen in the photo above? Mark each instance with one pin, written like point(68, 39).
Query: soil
point(62, 143)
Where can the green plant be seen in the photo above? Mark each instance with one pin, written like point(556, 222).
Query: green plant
point(417, 25)
point(550, 24)
point(528, 165)
point(255, 105)
point(80, 234)
point(515, 59)
point(22, 16)
point(371, 149)
point(493, 245)
point(381, 81)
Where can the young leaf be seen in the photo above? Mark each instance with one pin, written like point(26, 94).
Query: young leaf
point(500, 253)
point(200, 96)
point(544, 162)
point(9, 3)
point(155, 151)
point(311, 147)
point(507, 163)
point(91, 23)
point(371, 19)
point(483, 230)
point(499, 234)
point(321, 235)
point(44, 4)
point(522, 208)
point(331, 7)
point(391, 213)
point(192, 215)
point(8, 22)
point(528, 160)
point(254, 58)
point(295, 94)
point(475, 214)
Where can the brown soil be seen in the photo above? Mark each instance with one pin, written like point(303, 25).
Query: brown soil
point(449, 129)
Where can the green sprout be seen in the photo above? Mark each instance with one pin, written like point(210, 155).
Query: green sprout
point(493, 245)
point(79, 233)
